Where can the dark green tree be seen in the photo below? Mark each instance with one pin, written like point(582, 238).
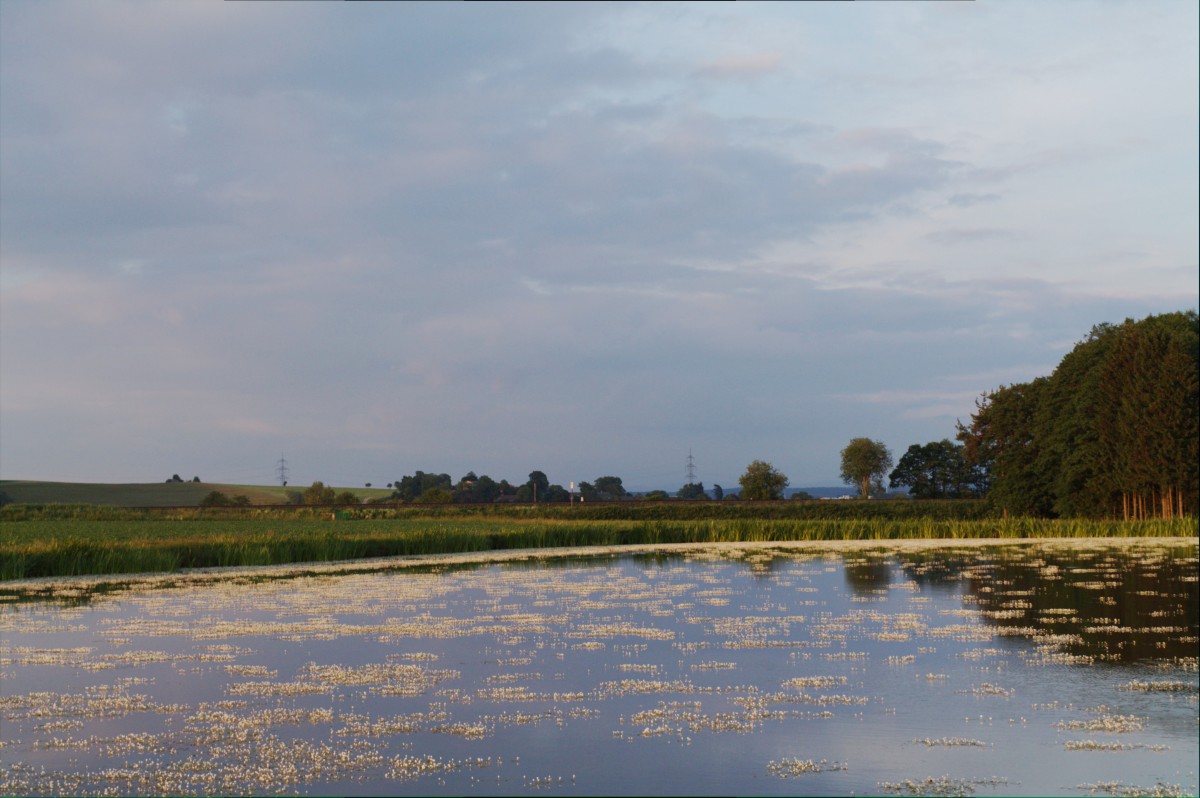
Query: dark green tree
point(538, 484)
point(1111, 432)
point(864, 464)
point(411, 488)
point(610, 488)
point(692, 490)
point(438, 495)
point(762, 482)
point(937, 470)
point(317, 493)
point(215, 499)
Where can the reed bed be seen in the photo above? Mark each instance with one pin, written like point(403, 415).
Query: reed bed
point(73, 546)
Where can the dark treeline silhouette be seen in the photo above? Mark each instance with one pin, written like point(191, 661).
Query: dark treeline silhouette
point(1113, 432)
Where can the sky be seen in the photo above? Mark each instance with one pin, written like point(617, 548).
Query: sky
point(586, 239)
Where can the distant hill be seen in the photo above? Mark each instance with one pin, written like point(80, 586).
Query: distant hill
point(150, 494)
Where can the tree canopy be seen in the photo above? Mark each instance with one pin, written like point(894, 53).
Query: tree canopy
point(864, 464)
point(762, 482)
point(938, 470)
point(1113, 431)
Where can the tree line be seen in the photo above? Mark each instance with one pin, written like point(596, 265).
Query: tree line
point(1112, 432)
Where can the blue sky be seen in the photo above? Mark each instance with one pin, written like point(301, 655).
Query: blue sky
point(580, 238)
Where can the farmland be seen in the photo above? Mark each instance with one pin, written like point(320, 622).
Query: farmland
point(69, 540)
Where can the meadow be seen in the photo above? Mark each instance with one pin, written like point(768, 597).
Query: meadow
point(74, 540)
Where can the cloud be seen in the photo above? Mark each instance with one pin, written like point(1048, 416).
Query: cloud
point(742, 66)
point(970, 236)
point(513, 237)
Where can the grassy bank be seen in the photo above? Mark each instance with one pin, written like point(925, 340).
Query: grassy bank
point(47, 546)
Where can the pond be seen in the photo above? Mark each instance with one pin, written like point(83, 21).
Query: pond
point(1016, 669)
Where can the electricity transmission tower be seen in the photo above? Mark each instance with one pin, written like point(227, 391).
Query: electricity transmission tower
point(281, 470)
point(691, 468)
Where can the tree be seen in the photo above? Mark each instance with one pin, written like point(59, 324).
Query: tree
point(410, 488)
point(802, 496)
point(937, 470)
point(610, 488)
point(656, 496)
point(718, 492)
point(1112, 432)
point(347, 497)
point(538, 484)
point(435, 496)
point(215, 499)
point(476, 490)
point(1000, 441)
point(317, 493)
point(762, 482)
point(865, 463)
point(692, 490)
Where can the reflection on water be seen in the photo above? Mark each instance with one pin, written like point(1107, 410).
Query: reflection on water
point(1017, 669)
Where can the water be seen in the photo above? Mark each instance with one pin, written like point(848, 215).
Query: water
point(1014, 670)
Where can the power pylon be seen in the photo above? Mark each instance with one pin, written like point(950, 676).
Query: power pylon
point(281, 470)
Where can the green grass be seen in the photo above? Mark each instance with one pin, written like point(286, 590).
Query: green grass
point(55, 542)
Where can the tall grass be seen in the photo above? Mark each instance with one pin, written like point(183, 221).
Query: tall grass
point(69, 546)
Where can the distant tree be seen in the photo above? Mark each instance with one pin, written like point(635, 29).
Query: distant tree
point(295, 497)
point(538, 484)
point(435, 496)
point(555, 493)
point(412, 487)
point(692, 490)
point(802, 496)
point(218, 499)
point(175, 478)
point(937, 470)
point(317, 493)
point(762, 482)
point(215, 499)
point(864, 464)
point(368, 484)
point(610, 488)
point(656, 496)
point(347, 497)
point(718, 492)
point(195, 479)
point(587, 492)
point(476, 490)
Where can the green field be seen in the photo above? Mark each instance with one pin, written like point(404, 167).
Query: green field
point(69, 529)
point(61, 540)
point(152, 494)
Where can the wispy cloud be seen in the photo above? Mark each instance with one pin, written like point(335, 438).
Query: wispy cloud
point(575, 237)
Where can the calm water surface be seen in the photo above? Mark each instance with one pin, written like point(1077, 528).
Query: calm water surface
point(1014, 670)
